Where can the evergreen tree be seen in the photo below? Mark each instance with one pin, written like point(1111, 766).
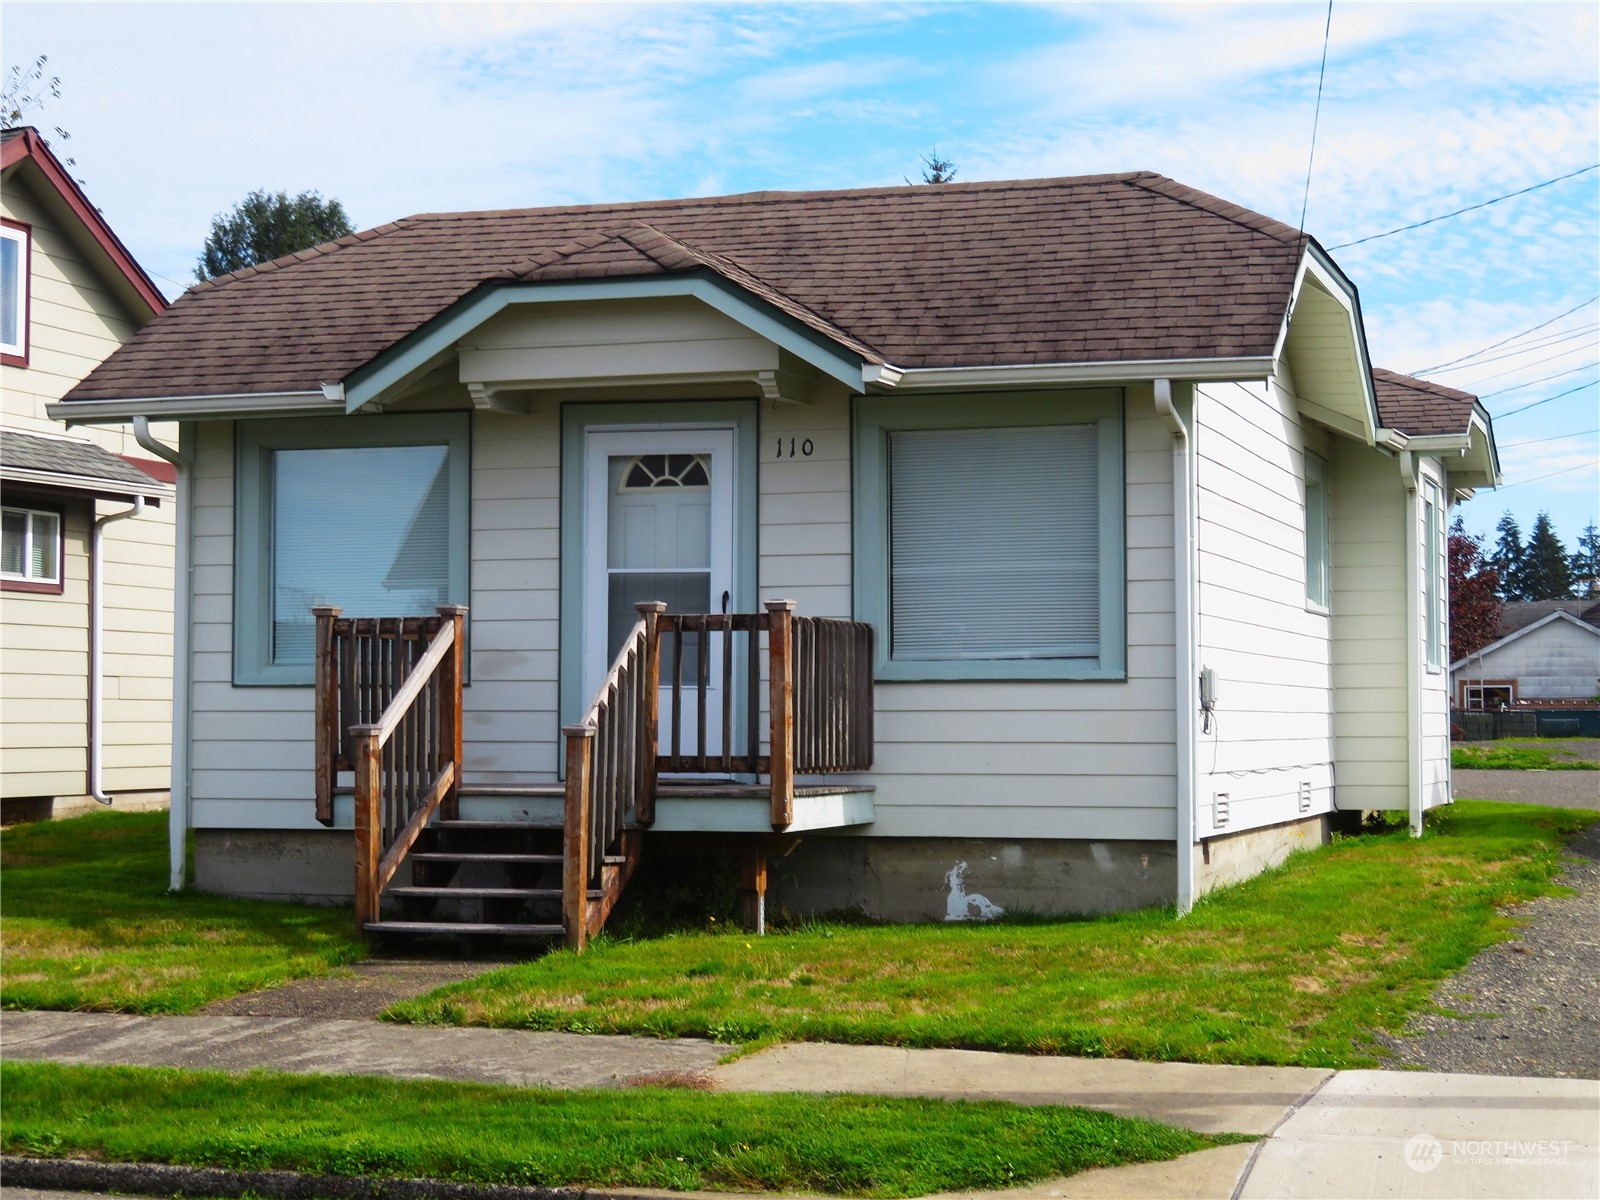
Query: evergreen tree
point(1585, 563)
point(1475, 603)
point(1507, 558)
point(264, 226)
point(936, 169)
point(1546, 574)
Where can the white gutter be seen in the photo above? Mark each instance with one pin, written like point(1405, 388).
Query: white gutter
point(175, 408)
point(97, 591)
point(182, 689)
point(1408, 477)
point(1183, 615)
point(918, 379)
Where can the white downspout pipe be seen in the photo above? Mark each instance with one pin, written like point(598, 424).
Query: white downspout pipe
point(97, 609)
point(1183, 615)
point(182, 692)
point(1408, 477)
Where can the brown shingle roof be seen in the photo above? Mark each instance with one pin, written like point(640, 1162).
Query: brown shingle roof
point(1419, 407)
point(1094, 268)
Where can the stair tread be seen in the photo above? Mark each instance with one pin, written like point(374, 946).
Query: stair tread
point(468, 856)
point(539, 826)
point(464, 927)
point(505, 893)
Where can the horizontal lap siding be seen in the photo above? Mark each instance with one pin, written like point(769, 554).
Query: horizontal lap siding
point(1366, 522)
point(1039, 759)
point(1272, 729)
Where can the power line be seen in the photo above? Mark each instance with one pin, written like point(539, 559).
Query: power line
point(1546, 400)
point(1469, 208)
point(1555, 437)
point(1512, 338)
point(1316, 117)
point(1544, 343)
point(1552, 475)
point(1517, 387)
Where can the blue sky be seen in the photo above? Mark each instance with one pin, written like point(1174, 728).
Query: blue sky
point(176, 111)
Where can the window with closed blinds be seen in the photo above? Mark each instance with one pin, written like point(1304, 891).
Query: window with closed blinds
point(994, 543)
point(13, 290)
point(30, 548)
point(365, 528)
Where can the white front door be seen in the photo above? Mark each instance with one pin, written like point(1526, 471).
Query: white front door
point(658, 525)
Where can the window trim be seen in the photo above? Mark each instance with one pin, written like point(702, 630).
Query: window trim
point(254, 442)
point(16, 354)
point(876, 417)
point(1316, 471)
point(24, 583)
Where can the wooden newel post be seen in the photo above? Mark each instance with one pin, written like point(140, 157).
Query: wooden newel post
point(575, 865)
point(369, 773)
point(780, 649)
point(452, 678)
point(327, 718)
point(644, 808)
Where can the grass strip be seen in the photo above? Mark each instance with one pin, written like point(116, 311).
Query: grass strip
point(636, 1137)
point(1521, 755)
point(1294, 966)
point(89, 924)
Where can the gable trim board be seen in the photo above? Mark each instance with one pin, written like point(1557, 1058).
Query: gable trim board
point(1523, 632)
point(990, 758)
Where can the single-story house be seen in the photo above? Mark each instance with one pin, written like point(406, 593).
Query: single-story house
point(1044, 543)
point(86, 577)
point(1549, 650)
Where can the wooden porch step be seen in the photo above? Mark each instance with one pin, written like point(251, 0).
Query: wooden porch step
point(534, 826)
point(466, 857)
point(503, 930)
point(478, 893)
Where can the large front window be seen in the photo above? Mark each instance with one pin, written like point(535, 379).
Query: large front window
point(375, 525)
point(990, 535)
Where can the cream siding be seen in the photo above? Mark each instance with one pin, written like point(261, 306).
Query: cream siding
point(75, 322)
point(1268, 757)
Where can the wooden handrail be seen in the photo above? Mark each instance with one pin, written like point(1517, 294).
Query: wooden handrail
point(420, 676)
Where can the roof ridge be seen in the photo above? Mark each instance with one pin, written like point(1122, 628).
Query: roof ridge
point(320, 250)
point(1248, 218)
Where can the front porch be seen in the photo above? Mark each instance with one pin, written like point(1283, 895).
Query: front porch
point(660, 748)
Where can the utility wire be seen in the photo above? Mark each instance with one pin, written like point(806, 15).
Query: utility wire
point(1563, 352)
point(1512, 338)
point(1555, 437)
point(1544, 343)
point(1546, 400)
point(1316, 117)
point(1552, 475)
point(1469, 208)
point(1517, 387)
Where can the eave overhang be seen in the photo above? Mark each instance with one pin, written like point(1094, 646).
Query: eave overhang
point(184, 408)
point(84, 485)
point(947, 379)
point(1324, 344)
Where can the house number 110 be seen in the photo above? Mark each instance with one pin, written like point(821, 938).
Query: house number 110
point(795, 449)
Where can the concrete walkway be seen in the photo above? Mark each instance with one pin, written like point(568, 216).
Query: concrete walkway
point(1326, 1134)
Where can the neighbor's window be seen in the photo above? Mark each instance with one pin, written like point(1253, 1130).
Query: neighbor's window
point(1318, 591)
point(30, 549)
point(376, 527)
point(14, 269)
point(1433, 572)
point(992, 536)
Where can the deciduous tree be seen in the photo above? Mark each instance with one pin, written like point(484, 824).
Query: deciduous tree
point(1475, 603)
point(264, 226)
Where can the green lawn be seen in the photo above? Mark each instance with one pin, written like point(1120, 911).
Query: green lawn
point(642, 1137)
point(1291, 967)
point(1523, 754)
point(89, 924)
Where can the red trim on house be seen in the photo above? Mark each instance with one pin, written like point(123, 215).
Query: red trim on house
point(156, 468)
point(22, 227)
point(29, 145)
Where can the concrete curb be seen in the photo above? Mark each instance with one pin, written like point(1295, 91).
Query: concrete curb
point(158, 1179)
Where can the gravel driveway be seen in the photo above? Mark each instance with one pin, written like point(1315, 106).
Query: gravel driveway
point(1535, 999)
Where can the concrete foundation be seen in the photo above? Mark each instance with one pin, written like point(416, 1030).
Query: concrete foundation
point(19, 810)
point(304, 866)
point(1235, 857)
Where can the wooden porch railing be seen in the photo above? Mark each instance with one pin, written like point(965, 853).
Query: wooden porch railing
point(389, 708)
point(819, 708)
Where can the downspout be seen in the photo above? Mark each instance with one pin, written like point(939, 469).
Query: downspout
point(182, 697)
point(97, 592)
point(1408, 477)
point(1183, 616)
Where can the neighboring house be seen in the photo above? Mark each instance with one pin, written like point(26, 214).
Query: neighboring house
point(1154, 561)
point(1549, 650)
point(70, 294)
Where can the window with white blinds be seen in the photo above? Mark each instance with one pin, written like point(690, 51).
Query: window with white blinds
point(13, 290)
point(994, 543)
point(30, 546)
point(989, 535)
point(367, 514)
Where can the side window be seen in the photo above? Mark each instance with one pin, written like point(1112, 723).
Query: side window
point(1434, 579)
point(14, 271)
point(1318, 589)
point(30, 549)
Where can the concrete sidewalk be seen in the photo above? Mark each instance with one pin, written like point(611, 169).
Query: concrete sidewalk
point(1326, 1134)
